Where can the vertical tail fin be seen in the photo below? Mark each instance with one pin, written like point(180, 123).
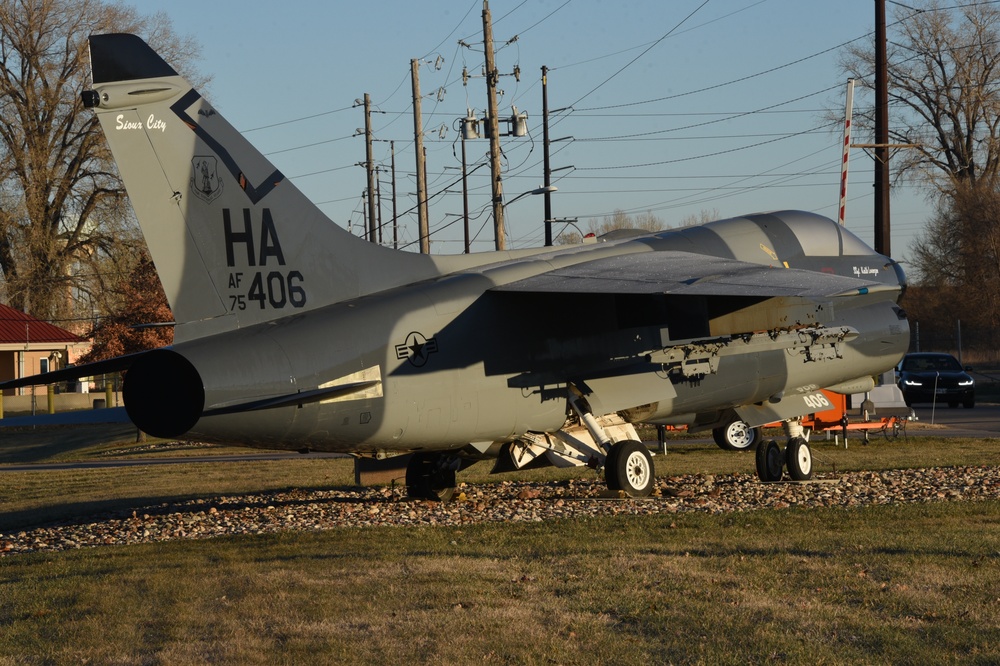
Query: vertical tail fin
point(234, 242)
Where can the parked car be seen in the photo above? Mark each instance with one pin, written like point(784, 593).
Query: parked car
point(934, 377)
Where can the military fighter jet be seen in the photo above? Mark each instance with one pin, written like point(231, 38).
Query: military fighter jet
point(293, 334)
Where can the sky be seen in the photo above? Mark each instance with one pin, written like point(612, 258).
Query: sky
point(679, 108)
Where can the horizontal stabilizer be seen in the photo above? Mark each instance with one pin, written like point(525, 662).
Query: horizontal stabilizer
point(107, 366)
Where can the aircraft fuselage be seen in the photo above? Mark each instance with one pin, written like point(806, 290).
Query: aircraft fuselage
point(449, 361)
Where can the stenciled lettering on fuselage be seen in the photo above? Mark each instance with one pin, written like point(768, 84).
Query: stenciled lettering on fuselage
point(265, 282)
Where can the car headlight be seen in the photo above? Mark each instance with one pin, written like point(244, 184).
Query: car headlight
point(967, 382)
point(912, 382)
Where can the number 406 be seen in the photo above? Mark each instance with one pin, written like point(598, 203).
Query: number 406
point(277, 290)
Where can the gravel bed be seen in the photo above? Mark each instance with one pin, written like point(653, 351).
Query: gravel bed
point(509, 501)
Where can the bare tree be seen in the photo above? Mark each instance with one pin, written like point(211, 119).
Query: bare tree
point(957, 260)
point(62, 205)
point(944, 98)
point(944, 92)
point(701, 217)
point(617, 220)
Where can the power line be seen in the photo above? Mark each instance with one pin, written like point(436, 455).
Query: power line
point(297, 120)
point(633, 60)
point(704, 155)
point(639, 46)
point(727, 83)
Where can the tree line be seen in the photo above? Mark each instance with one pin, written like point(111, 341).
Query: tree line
point(69, 245)
point(944, 100)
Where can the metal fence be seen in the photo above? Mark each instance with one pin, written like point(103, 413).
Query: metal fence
point(967, 343)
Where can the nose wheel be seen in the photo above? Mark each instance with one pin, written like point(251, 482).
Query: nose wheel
point(771, 460)
point(798, 459)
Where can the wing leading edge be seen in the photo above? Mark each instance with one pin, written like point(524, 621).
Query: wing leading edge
point(690, 274)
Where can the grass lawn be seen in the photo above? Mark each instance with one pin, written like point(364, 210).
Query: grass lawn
point(913, 583)
point(901, 584)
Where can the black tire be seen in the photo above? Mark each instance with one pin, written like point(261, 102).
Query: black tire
point(429, 477)
point(736, 436)
point(630, 468)
point(970, 403)
point(611, 463)
point(798, 459)
point(769, 461)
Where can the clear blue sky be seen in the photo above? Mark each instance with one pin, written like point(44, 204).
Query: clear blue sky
point(721, 103)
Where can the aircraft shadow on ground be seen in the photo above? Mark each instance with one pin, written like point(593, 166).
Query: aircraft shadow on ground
point(43, 444)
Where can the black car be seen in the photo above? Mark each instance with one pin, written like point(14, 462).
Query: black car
point(932, 377)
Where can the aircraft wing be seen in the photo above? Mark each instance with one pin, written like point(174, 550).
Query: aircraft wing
point(688, 273)
point(614, 310)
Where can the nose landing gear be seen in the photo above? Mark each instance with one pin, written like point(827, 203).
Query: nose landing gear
point(770, 461)
point(796, 457)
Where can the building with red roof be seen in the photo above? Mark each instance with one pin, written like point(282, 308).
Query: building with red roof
point(30, 346)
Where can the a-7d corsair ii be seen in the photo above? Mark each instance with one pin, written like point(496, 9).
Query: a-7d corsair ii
point(293, 334)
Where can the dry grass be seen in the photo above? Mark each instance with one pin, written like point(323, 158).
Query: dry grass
point(907, 584)
point(897, 584)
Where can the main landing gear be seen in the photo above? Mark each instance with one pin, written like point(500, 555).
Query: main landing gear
point(736, 436)
point(431, 476)
point(609, 443)
point(628, 467)
point(796, 457)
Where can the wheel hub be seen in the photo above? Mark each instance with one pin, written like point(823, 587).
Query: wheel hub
point(740, 435)
point(637, 470)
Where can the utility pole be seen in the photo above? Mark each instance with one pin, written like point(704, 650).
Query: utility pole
point(370, 168)
point(547, 182)
point(378, 198)
point(395, 226)
point(418, 131)
point(882, 233)
point(465, 194)
point(492, 77)
point(364, 213)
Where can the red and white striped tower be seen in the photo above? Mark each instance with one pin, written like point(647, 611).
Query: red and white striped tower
point(847, 151)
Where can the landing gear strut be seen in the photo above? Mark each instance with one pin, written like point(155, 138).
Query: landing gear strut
point(628, 467)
